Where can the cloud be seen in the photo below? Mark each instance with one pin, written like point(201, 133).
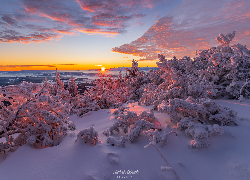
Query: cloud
point(192, 25)
point(115, 6)
point(28, 66)
point(66, 64)
point(9, 20)
point(44, 20)
point(13, 36)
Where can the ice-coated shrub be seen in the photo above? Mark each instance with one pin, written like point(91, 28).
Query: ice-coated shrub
point(125, 115)
point(140, 125)
point(109, 92)
point(4, 147)
point(203, 110)
point(199, 144)
point(71, 125)
point(106, 132)
point(199, 132)
point(148, 116)
point(198, 118)
point(220, 71)
point(125, 118)
point(159, 136)
point(88, 134)
point(119, 143)
point(82, 104)
point(34, 111)
point(131, 124)
point(120, 124)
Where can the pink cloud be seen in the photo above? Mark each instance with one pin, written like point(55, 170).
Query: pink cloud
point(57, 18)
point(190, 26)
point(116, 6)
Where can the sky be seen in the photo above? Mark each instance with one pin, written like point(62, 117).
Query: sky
point(89, 34)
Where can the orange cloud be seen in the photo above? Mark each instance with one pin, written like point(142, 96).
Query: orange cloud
point(192, 25)
point(97, 31)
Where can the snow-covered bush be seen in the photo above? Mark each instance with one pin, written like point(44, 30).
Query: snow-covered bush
point(221, 71)
point(140, 125)
point(88, 134)
point(159, 136)
point(82, 104)
point(126, 118)
point(131, 124)
point(199, 132)
point(109, 92)
point(36, 111)
point(202, 110)
point(198, 118)
point(119, 143)
point(199, 144)
point(71, 125)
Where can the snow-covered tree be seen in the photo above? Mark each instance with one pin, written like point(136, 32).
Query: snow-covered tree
point(82, 104)
point(109, 92)
point(58, 86)
point(135, 81)
point(134, 69)
point(72, 87)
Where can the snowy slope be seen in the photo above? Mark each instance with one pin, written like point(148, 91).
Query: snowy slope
point(227, 157)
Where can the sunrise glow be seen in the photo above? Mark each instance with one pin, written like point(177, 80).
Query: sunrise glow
point(78, 35)
point(103, 69)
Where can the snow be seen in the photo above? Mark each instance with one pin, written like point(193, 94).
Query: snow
point(226, 158)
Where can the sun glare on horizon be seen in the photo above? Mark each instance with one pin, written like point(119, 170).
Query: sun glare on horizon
point(103, 69)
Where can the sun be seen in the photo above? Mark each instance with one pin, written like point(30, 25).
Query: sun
point(103, 69)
